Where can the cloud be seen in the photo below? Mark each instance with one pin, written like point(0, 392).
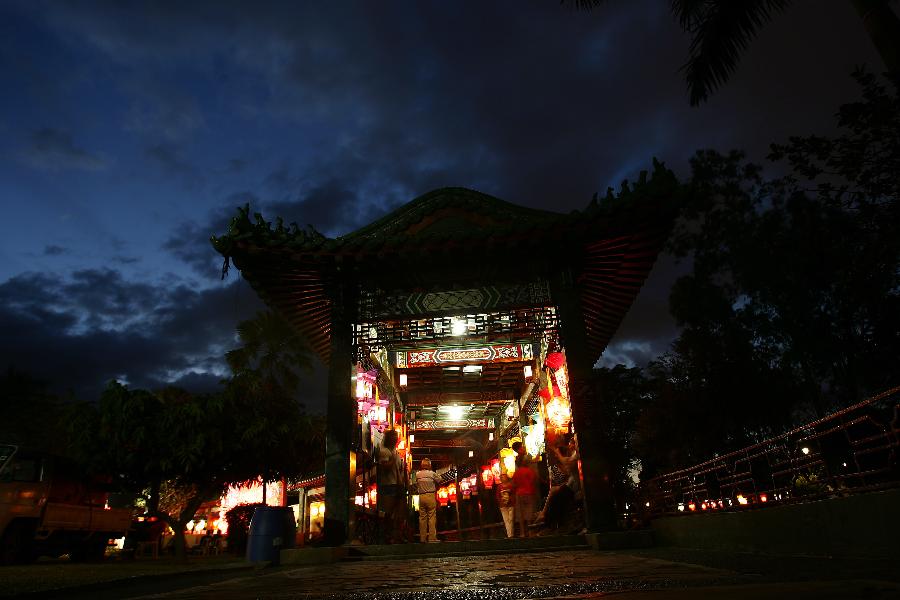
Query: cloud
point(54, 250)
point(83, 330)
point(170, 157)
point(189, 242)
point(54, 150)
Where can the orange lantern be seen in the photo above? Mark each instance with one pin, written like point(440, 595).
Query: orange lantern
point(487, 476)
point(451, 492)
point(464, 487)
point(373, 494)
point(443, 496)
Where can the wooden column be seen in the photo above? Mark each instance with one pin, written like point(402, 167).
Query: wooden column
point(585, 394)
point(339, 425)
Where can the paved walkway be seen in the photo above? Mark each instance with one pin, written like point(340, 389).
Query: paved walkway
point(565, 574)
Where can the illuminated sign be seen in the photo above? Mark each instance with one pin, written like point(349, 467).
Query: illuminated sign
point(482, 354)
point(454, 424)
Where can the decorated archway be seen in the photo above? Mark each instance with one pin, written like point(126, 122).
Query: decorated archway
point(439, 319)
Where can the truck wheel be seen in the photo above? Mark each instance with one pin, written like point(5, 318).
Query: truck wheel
point(17, 544)
point(91, 550)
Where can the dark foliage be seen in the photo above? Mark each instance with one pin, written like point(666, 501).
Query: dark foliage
point(792, 308)
point(238, 519)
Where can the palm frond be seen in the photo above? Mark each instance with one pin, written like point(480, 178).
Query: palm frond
point(720, 31)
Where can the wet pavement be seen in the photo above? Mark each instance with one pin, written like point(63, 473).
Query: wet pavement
point(656, 574)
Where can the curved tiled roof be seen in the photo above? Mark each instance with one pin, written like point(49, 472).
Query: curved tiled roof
point(613, 242)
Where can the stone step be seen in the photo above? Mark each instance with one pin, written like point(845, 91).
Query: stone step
point(614, 540)
point(471, 547)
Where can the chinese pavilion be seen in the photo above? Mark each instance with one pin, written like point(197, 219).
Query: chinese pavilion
point(438, 319)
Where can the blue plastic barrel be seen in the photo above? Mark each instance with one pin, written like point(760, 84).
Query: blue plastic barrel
point(271, 530)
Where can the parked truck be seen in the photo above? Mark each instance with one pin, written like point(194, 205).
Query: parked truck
point(49, 507)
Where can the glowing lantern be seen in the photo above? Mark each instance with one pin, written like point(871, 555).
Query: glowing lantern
point(527, 371)
point(443, 496)
point(703, 506)
point(558, 413)
point(692, 506)
point(508, 459)
point(359, 500)
point(412, 438)
point(487, 476)
point(555, 360)
point(363, 406)
point(546, 394)
point(451, 492)
point(495, 469)
point(763, 498)
point(373, 494)
point(464, 487)
point(741, 500)
point(404, 379)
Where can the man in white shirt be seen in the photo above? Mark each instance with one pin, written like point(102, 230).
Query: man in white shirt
point(427, 482)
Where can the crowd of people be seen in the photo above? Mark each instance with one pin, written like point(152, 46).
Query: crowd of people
point(517, 495)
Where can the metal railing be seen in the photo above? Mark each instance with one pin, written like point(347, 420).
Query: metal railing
point(856, 449)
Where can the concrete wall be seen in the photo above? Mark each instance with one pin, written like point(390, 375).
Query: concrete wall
point(864, 525)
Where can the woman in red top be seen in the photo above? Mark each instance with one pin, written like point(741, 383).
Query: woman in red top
point(525, 486)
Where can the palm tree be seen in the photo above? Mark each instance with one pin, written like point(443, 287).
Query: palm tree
point(272, 349)
point(722, 29)
point(265, 384)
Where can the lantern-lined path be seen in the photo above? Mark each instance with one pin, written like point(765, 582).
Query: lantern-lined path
point(652, 573)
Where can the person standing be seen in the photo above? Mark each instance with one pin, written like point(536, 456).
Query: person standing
point(391, 491)
point(506, 500)
point(525, 487)
point(427, 482)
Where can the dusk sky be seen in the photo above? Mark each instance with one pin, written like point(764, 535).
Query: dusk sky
point(130, 132)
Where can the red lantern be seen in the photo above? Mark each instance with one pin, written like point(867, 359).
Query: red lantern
point(555, 360)
point(451, 492)
point(443, 496)
point(495, 470)
point(545, 392)
point(487, 476)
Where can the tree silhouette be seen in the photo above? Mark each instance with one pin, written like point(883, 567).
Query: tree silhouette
point(721, 31)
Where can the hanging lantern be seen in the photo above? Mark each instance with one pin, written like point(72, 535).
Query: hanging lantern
point(546, 394)
point(558, 413)
point(495, 470)
point(363, 406)
point(487, 476)
point(555, 360)
point(451, 492)
point(443, 496)
point(508, 461)
point(464, 487)
point(373, 495)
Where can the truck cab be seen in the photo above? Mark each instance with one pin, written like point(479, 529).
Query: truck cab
point(50, 507)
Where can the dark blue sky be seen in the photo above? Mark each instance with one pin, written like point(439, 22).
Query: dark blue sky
point(129, 132)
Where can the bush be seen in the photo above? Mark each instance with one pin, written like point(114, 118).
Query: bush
point(238, 519)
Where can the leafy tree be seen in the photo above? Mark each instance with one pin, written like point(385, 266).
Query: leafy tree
point(172, 446)
point(792, 307)
point(266, 384)
point(183, 449)
point(625, 391)
point(721, 30)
